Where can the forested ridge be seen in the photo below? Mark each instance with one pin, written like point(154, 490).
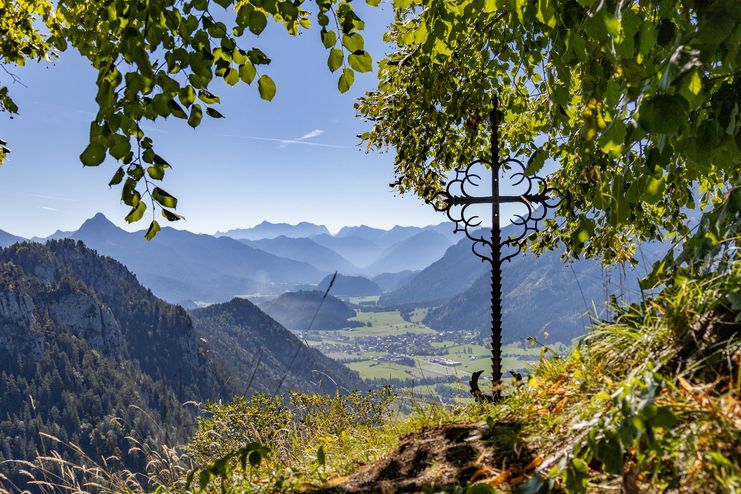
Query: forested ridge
point(90, 357)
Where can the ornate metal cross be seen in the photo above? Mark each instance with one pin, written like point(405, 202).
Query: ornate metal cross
point(536, 197)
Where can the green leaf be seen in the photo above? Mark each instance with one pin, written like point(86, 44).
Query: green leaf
point(654, 189)
point(329, 38)
point(93, 155)
point(258, 57)
point(239, 57)
point(136, 212)
point(176, 109)
point(187, 95)
point(247, 72)
point(171, 215)
point(611, 141)
point(154, 227)
point(156, 172)
point(321, 457)
point(232, 76)
point(334, 61)
point(164, 198)
point(362, 61)
point(536, 162)
point(117, 177)
point(129, 195)
point(204, 478)
point(663, 114)
point(196, 114)
point(373, 3)
point(207, 97)
point(353, 42)
point(160, 106)
point(491, 6)
point(536, 485)
point(119, 146)
point(266, 86)
point(258, 21)
point(346, 80)
point(213, 113)
point(586, 230)
point(610, 452)
point(595, 25)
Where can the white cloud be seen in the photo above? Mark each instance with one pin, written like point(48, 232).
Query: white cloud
point(303, 140)
point(309, 135)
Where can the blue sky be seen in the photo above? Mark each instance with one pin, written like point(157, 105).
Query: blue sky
point(293, 159)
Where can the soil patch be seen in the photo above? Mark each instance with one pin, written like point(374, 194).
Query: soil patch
point(438, 459)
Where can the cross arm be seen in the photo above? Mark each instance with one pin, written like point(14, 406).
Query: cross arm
point(525, 198)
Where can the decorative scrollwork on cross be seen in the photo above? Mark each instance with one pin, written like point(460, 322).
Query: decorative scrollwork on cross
point(456, 201)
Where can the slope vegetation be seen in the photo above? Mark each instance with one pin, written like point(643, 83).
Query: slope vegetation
point(263, 356)
point(296, 310)
point(90, 356)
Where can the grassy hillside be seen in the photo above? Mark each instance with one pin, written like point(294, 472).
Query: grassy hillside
point(645, 403)
point(648, 402)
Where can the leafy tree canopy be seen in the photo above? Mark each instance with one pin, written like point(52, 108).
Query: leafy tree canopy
point(158, 59)
point(638, 102)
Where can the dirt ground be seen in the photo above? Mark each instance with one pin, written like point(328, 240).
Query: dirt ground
point(443, 459)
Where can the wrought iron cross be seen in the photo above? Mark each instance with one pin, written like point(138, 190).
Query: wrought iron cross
point(537, 199)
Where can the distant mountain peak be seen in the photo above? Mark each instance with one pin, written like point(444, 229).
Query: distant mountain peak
point(266, 229)
point(98, 222)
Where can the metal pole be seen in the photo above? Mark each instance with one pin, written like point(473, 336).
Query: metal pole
point(496, 264)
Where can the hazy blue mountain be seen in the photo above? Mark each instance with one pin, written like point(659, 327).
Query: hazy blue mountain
point(295, 310)
point(259, 351)
point(413, 253)
point(57, 235)
point(400, 233)
point(540, 294)
point(387, 238)
point(450, 275)
point(361, 231)
point(7, 239)
point(267, 229)
point(350, 286)
point(391, 281)
point(357, 250)
point(446, 228)
point(179, 265)
point(305, 250)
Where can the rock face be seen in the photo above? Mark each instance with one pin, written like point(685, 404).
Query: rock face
point(65, 288)
point(18, 333)
point(90, 356)
point(88, 319)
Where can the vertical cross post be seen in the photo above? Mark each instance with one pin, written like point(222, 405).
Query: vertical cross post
point(536, 199)
point(496, 265)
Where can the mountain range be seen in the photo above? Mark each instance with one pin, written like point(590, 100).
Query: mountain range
point(267, 229)
point(180, 265)
point(305, 250)
point(7, 239)
point(450, 275)
point(104, 359)
point(266, 260)
point(406, 266)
